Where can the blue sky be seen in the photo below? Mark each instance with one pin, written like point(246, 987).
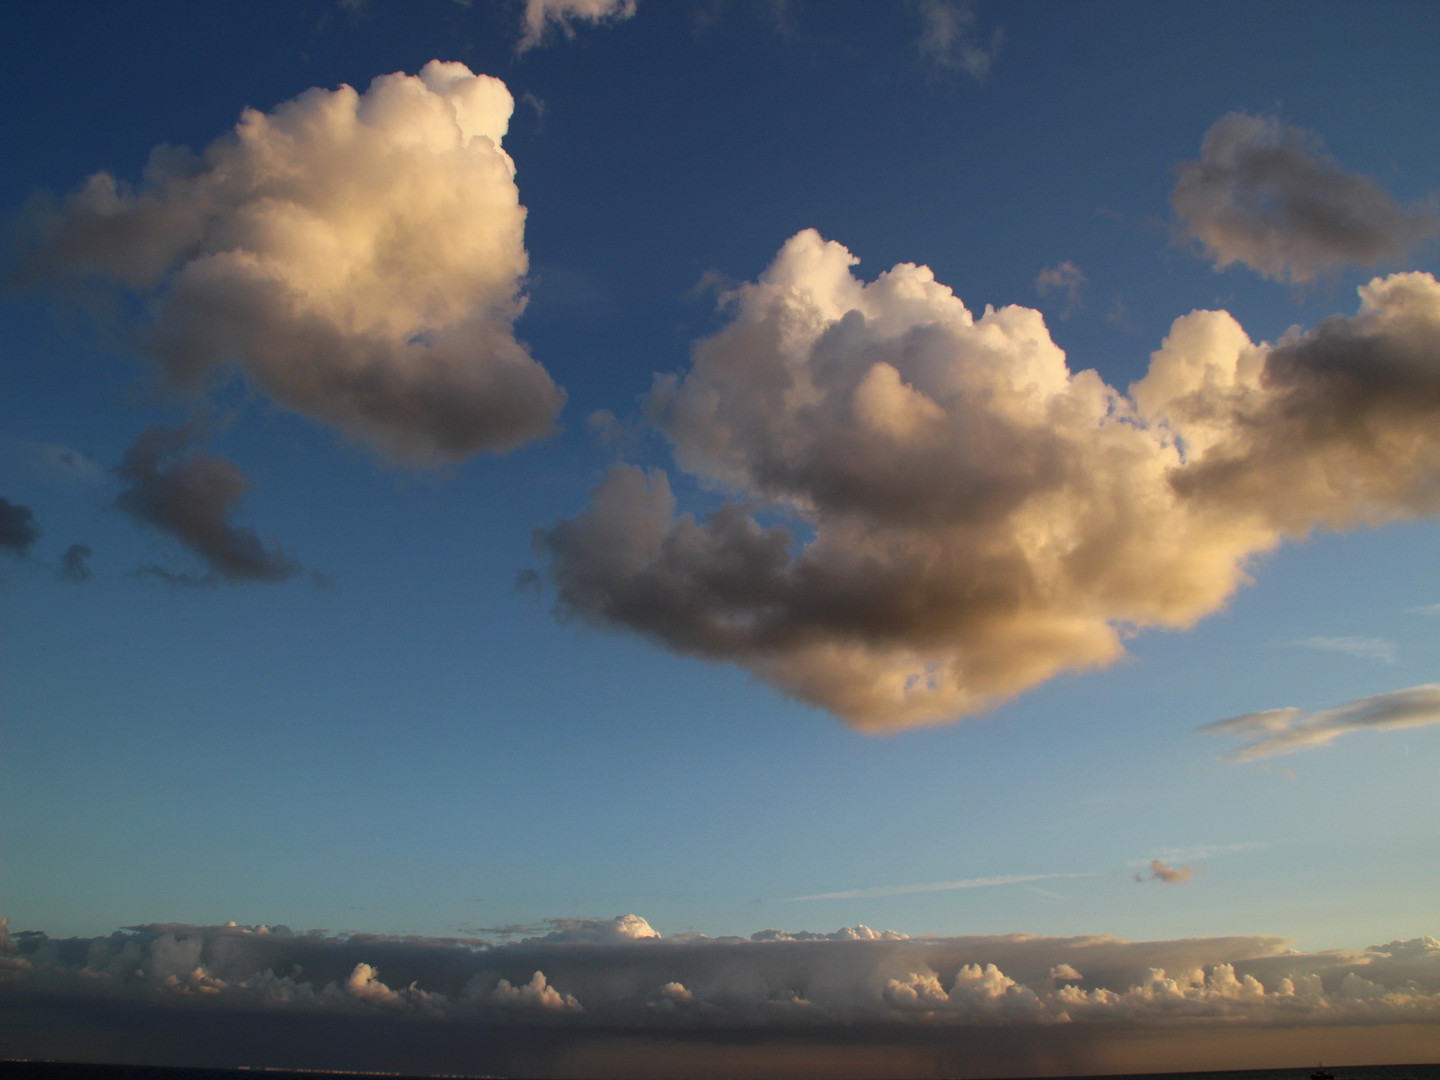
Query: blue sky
point(357, 652)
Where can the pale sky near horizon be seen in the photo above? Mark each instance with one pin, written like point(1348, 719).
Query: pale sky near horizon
point(749, 465)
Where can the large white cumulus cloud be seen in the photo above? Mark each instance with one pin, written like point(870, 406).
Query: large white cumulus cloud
point(966, 516)
point(357, 255)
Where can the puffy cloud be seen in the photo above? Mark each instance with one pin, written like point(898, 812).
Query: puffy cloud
point(540, 14)
point(18, 530)
point(949, 40)
point(536, 994)
point(1284, 731)
point(622, 928)
point(357, 256)
point(1265, 194)
point(1170, 875)
point(192, 495)
point(932, 513)
point(1362, 648)
point(1065, 278)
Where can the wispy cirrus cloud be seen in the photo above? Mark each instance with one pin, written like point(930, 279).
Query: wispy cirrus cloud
point(936, 886)
point(1289, 730)
point(1362, 648)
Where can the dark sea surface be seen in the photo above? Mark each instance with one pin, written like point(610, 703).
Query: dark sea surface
point(49, 1070)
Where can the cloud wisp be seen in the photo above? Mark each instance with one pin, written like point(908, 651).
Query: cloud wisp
point(930, 513)
point(949, 40)
point(937, 886)
point(192, 495)
point(1362, 648)
point(1064, 278)
point(1285, 731)
point(1263, 193)
point(358, 256)
point(541, 15)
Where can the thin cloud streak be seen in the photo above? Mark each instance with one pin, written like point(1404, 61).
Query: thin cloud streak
point(1362, 648)
point(936, 886)
point(1274, 732)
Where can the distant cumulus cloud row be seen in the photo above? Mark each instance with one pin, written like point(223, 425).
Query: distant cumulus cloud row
point(613, 976)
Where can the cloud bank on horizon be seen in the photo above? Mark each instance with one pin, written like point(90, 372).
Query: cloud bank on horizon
point(930, 513)
point(358, 256)
point(615, 973)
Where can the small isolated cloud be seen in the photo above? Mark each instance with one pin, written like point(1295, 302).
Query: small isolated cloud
point(1427, 609)
point(18, 530)
point(74, 564)
point(1066, 279)
point(1362, 648)
point(1285, 731)
point(540, 15)
point(357, 256)
point(927, 512)
point(1170, 875)
point(1065, 973)
point(936, 886)
point(192, 495)
point(1265, 194)
point(949, 38)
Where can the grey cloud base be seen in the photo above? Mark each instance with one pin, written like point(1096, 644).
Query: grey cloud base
point(290, 993)
point(952, 516)
point(1264, 194)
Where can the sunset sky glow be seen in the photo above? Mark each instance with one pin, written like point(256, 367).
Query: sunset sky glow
point(869, 539)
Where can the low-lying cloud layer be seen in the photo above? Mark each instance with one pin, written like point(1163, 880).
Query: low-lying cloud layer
point(931, 513)
point(1285, 731)
point(358, 256)
point(774, 980)
point(1264, 194)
